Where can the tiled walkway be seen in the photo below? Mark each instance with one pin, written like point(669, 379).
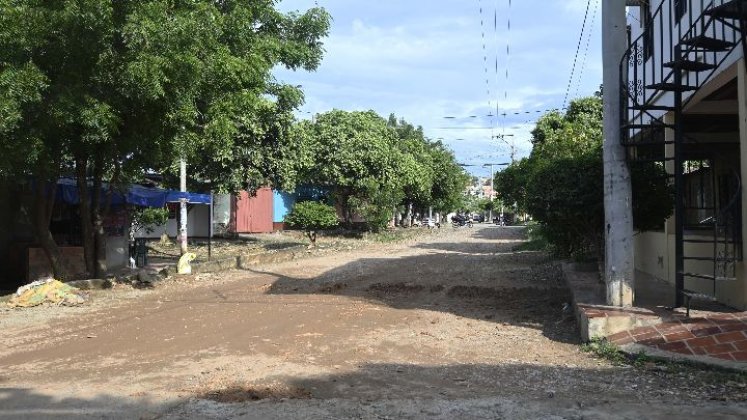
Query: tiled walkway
point(719, 335)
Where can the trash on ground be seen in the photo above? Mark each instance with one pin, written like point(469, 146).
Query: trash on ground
point(47, 291)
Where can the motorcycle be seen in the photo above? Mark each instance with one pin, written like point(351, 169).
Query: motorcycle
point(461, 221)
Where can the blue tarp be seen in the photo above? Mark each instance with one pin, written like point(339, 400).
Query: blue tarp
point(137, 195)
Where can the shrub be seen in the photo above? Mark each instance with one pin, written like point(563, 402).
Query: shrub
point(311, 216)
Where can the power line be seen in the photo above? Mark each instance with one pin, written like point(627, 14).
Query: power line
point(575, 58)
point(586, 50)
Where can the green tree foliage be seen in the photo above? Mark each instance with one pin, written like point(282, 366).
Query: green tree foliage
point(561, 183)
point(356, 155)
point(109, 89)
point(312, 217)
point(373, 165)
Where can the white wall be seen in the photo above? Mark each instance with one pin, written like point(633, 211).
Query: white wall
point(198, 225)
point(117, 252)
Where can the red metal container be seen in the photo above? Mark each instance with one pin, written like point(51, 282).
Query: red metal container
point(252, 214)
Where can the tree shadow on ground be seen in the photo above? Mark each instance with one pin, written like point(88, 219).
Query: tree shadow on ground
point(523, 289)
point(506, 390)
point(28, 403)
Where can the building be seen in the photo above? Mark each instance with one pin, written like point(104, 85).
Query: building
point(684, 91)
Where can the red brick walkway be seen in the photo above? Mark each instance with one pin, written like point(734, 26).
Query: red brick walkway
point(718, 335)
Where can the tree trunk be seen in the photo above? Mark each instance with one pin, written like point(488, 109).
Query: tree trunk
point(86, 225)
point(43, 203)
point(407, 221)
point(99, 239)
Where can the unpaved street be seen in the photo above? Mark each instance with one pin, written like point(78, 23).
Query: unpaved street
point(452, 326)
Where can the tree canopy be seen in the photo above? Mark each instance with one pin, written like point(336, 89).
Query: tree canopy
point(373, 165)
point(561, 183)
point(107, 90)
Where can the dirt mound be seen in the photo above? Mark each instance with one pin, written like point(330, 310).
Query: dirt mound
point(242, 393)
point(509, 297)
point(396, 288)
point(332, 288)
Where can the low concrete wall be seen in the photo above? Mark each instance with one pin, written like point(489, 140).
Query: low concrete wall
point(594, 317)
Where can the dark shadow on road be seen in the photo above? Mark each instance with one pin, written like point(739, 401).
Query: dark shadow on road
point(22, 403)
point(461, 278)
point(507, 390)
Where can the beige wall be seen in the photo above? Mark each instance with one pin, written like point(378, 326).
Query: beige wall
point(654, 256)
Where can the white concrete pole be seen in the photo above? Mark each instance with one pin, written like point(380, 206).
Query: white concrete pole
point(183, 207)
point(492, 193)
point(618, 214)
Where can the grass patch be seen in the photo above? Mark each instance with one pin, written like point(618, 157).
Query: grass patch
point(536, 239)
point(603, 349)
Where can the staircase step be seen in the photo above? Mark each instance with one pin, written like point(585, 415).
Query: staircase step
point(654, 125)
point(646, 107)
point(708, 277)
point(671, 87)
point(698, 295)
point(730, 10)
point(707, 241)
point(704, 42)
point(646, 143)
point(710, 259)
point(646, 160)
point(689, 65)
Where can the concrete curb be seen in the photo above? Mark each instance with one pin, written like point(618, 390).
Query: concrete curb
point(595, 319)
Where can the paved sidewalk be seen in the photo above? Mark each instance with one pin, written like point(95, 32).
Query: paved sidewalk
point(714, 335)
point(717, 336)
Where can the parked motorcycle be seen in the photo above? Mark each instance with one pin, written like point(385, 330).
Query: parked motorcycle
point(459, 221)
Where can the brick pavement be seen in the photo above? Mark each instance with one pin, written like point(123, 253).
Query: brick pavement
point(716, 335)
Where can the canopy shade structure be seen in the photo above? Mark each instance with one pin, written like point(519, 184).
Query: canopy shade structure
point(137, 195)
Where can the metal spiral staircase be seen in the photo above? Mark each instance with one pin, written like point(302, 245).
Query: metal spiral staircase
point(662, 70)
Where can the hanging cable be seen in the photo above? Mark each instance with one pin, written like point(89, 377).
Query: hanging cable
point(575, 58)
point(586, 50)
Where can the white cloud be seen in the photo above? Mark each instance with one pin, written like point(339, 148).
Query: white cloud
point(424, 61)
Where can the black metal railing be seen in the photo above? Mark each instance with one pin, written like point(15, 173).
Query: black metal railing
point(647, 76)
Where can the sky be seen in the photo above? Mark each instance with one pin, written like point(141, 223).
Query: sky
point(454, 70)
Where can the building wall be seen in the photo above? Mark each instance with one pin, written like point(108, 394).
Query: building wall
point(282, 205)
point(654, 256)
point(198, 225)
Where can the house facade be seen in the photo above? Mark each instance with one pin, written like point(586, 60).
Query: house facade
point(684, 108)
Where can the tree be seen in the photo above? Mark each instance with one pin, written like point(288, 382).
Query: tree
point(561, 183)
point(115, 88)
point(356, 155)
point(416, 170)
point(312, 216)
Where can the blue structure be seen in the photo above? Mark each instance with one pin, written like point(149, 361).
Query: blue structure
point(138, 195)
point(282, 202)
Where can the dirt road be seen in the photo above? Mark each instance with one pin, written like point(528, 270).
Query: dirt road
point(452, 326)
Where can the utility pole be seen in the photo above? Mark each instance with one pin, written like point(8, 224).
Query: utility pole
point(492, 187)
point(618, 264)
point(183, 207)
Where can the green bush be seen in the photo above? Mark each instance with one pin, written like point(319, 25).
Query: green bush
point(311, 216)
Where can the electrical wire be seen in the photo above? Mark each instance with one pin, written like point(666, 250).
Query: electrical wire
point(575, 58)
point(586, 49)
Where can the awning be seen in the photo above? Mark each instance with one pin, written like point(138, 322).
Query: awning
point(137, 195)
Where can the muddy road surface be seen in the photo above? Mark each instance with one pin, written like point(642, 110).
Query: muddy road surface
point(455, 325)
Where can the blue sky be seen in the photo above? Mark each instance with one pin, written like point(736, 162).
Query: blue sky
point(424, 61)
